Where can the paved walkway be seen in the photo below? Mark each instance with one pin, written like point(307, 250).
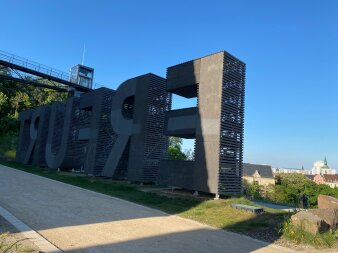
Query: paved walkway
point(78, 220)
point(275, 206)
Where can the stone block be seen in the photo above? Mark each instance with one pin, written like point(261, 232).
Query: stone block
point(327, 202)
point(310, 222)
point(329, 215)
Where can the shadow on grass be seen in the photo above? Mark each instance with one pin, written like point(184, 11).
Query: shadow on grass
point(217, 213)
point(264, 227)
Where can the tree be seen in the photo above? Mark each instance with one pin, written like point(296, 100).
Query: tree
point(15, 97)
point(175, 141)
point(290, 188)
point(175, 149)
point(175, 153)
point(190, 154)
point(252, 191)
point(3, 100)
point(19, 101)
point(4, 70)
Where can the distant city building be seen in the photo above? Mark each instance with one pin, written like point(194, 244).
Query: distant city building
point(291, 170)
point(321, 167)
point(318, 179)
point(331, 180)
point(328, 179)
point(258, 174)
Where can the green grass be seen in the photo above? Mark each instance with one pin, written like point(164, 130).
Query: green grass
point(217, 213)
point(10, 154)
point(8, 145)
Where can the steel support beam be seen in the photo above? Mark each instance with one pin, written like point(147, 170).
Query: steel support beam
point(30, 82)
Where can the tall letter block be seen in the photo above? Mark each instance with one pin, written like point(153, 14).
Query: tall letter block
point(217, 124)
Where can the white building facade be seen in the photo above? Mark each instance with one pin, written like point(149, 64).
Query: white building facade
point(321, 168)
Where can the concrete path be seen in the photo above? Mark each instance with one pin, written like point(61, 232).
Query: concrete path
point(275, 206)
point(37, 242)
point(78, 220)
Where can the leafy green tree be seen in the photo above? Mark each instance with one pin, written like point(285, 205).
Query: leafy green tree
point(252, 191)
point(175, 149)
point(189, 154)
point(15, 97)
point(9, 125)
point(176, 153)
point(20, 101)
point(3, 100)
point(175, 141)
point(4, 71)
point(290, 188)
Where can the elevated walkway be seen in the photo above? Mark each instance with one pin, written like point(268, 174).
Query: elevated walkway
point(21, 67)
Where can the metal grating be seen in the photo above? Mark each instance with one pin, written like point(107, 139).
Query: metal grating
point(232, 126)
point(121, 171)
point(156, 143)
point(106, 135)
point(76, 149)
point(128, 107)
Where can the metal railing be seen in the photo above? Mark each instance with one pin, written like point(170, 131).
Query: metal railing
point(17, 60)
point(25, 63)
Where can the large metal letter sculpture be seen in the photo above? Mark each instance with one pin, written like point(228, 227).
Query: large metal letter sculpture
point(217, 124)
point(38, 133)
point(138, 119)
point(33, 135)
point(99, 133)
point(24, 137)
point(124, 134)
point(58, 133)
point(64, 148)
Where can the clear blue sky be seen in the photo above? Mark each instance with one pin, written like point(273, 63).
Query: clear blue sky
point(290, 47)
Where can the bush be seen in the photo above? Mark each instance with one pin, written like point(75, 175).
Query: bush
point(9, 125)
point(290, 189)
point(8, 144)
point(252, 191)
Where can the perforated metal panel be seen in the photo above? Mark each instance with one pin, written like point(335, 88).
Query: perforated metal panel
point(156, 143)
point(77, 149)
point(232, 125)
point(106, 135)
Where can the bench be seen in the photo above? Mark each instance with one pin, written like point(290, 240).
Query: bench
point(252, 209)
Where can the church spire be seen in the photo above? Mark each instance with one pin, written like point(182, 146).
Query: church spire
point(325, 161)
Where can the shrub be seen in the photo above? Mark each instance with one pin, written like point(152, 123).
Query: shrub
point(252, 191)
point(9, 125)
point(8, 144)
